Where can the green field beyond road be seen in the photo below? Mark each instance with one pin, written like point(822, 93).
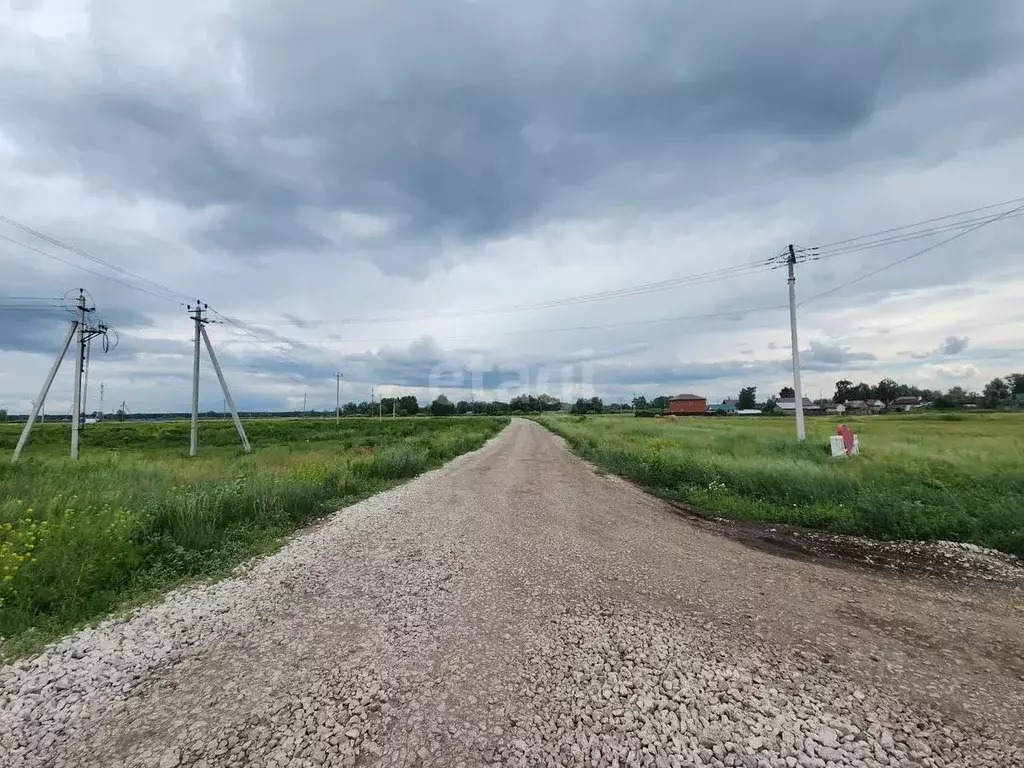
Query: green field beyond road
point(135, 516)
point(922, 476)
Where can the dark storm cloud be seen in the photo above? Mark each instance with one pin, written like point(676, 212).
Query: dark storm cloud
point(470, 120)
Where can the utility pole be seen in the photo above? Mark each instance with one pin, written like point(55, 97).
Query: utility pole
point(797, 389)
point(196, 313)
point(394, 404)
point(337, 397)
point(197, 318)
point(76, 408)
point(303, 404)
point(84, 333)
point(102, 388)
point(372, 401)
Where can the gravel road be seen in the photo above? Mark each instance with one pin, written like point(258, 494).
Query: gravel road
point(516, 607)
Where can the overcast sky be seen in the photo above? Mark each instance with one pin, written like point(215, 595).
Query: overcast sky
point(356, 182)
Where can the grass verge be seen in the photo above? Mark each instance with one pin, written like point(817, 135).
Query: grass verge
point(928, 476)
point(135, 516)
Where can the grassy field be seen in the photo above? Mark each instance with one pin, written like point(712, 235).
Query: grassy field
point(920, 476)
point(136, 516)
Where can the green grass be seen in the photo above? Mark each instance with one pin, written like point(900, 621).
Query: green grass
point(920, 476)
point(136, 516)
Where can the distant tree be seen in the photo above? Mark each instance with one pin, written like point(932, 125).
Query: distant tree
point(3, 414)
point(548, 403)
point(408, 405)
point(861, 391)
point(748, 398)
point(463, 407)
point(349, 409)
point(442, 406)
point(588, 405)
point(1016, 383)
point(995, 392)
point(769, 404)
point(843, 387)
point(787, 393)
point(660, 403)
point(640, 403)
point(958, 395)
point(886, 390)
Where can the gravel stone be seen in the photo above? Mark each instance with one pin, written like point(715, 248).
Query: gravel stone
point(517, 608)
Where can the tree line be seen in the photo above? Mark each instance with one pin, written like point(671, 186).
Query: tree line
point(999, 391)
point(996, 392)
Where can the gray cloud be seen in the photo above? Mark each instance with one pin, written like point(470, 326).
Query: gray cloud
point(953, 345)
point(825, 357)
point(483, 119)
point(367, 160)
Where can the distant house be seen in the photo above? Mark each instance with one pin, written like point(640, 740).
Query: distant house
point(787, 405)
point(829, 407)
point(724, 408)
point(907, 403)
point(861, 407)
point(687, 404)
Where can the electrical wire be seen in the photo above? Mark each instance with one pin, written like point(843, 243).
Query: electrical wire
point(85, 255)
point(816, 254)
point(926, 221)
point(69, 263)
point(700, 278)
point(914, 255)
point(530, 331)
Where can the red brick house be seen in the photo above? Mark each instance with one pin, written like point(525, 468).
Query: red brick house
point(684, 404)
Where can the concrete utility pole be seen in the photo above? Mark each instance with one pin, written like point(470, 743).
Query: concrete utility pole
point(797, 389)
point(227, 392)
point(76, 408)
point(196, 313)
point(337, 397)
point(197, 318)
point(102, 388)
point(37, 404)
point(84, 333)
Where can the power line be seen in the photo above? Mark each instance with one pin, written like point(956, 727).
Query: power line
point(817, 253)
point(87, 269)
point(700, 278)
point(85, 255)
point(914, 255)
point(926, 221)
point(528, 331)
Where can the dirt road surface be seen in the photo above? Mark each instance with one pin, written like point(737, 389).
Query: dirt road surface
point(516, 607)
